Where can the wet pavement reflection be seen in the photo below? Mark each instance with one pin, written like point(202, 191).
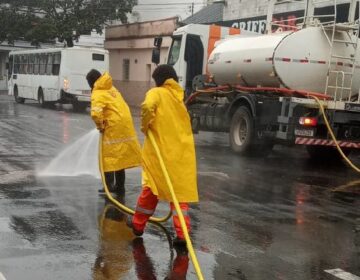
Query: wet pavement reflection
point(280, 217)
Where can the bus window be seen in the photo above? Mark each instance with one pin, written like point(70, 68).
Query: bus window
point(21, 67)
point(23, 64)
point(49, 64)
point(56, 64)
point(26, 64)
point(16, 64)
point(42, 68)
point(31, 64)
point(10, 69)
point(98, 57)
point(36, 64)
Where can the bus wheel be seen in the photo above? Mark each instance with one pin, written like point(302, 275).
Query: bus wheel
point(241, 131)
point(16, 96)
point(41, 99)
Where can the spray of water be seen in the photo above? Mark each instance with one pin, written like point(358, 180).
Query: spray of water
point(80, 158)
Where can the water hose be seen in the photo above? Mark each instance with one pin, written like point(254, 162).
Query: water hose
point(333, 135)
point(177, 207)
point(112, 199)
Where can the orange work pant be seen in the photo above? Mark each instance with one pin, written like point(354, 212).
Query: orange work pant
point(146, 206)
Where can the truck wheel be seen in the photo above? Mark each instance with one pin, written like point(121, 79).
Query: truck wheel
point(242, 131)
point(16, 96)
point(79, 106)
point(41, 98)
point(324, 152)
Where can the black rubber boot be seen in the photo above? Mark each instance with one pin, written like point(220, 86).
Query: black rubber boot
point(129, 223)
point(179, 242)
point(119, 186)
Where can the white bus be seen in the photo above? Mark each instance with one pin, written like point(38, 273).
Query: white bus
point(55, 75)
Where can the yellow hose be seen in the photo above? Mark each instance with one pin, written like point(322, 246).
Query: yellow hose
point(177, 207)
point(112, 199)
point(333, 135)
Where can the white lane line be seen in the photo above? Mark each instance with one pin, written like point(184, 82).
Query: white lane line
point(341, 274)
point(2, 277)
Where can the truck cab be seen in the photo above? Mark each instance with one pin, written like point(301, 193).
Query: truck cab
point(190, 50)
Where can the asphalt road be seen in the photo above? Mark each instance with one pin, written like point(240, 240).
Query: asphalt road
point(280, 217)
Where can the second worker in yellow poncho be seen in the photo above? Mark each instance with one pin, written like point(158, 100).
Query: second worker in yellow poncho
point(165, 114)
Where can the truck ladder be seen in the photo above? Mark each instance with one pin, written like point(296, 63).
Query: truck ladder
point(338, 81)
point(341, 80)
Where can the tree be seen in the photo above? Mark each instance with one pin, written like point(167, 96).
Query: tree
point(44, 20)
point(13, 25)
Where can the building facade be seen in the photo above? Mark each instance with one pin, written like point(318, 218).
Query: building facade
point(130, 52)
point(251, 14)
point(4, 58)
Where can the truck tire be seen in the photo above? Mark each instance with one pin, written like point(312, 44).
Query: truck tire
point(16, 96)
point(243, 135)
point(320, 153)
point(242, 131)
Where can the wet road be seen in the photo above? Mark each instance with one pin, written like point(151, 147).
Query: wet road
point(259, 218)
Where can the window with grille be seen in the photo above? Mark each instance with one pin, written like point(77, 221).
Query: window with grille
point(126, 69)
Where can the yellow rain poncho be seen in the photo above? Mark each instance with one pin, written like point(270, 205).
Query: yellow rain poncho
point(112, 115)
point(164, 112)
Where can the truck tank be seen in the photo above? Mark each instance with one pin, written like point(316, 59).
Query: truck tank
point(295, 60)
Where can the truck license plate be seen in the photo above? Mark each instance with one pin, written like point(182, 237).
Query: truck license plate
point(304, 132)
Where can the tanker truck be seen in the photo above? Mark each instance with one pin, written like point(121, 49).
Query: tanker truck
point(276, 88)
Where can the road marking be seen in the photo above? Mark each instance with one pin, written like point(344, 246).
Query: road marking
point(2, 277)
point(341, 274)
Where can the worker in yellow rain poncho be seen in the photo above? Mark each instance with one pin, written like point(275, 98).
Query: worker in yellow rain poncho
point(165, 114)
point(112, 117)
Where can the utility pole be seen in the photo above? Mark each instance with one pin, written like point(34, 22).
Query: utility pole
point(192, 8)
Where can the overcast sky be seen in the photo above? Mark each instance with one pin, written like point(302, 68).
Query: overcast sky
point(160, 9)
